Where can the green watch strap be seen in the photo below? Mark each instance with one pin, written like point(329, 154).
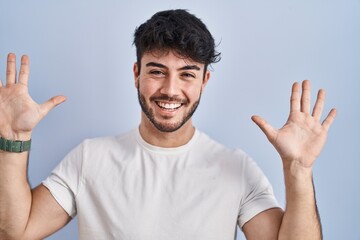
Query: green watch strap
point(14, 146)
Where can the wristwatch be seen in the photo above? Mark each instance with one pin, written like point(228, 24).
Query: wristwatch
point(14, 146)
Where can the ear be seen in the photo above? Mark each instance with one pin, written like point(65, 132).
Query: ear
point(136, 74)
point(205, 80)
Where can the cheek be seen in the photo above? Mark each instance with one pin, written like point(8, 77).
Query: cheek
point(194, 91)
point(147, 88)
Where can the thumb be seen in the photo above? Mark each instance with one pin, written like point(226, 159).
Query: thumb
point(267, 129)
point(47, 106)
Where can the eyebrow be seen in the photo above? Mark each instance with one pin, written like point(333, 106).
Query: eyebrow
point(159, 65)
point(190, 67)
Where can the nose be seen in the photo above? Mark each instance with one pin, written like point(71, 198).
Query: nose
point(170, 86)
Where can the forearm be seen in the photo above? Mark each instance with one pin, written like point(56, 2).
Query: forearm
point(301, 219)
point(15, 194)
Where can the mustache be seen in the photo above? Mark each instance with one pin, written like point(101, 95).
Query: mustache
point(167, 98)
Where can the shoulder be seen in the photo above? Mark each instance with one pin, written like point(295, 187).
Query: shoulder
point(109, 142)
point(234, 164)
point(102, 153)
point(234, 161)
point(209, 146)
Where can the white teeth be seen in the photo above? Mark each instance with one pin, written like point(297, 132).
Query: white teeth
point(169, 105)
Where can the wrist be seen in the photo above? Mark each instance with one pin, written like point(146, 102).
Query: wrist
point(298, 166)
point(15, 136)
point(298, 178)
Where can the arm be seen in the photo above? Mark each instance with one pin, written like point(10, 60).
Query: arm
point(299, 142)
point(24, 213)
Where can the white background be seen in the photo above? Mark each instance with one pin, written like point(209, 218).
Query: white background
point(83, 49)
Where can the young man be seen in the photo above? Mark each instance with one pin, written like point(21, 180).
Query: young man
point(164, 180)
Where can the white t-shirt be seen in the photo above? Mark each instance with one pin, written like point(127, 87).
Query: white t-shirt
point(124, 188)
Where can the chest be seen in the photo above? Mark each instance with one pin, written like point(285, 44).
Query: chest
point(155, 197)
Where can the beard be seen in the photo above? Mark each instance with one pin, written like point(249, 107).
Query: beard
point(166, 127)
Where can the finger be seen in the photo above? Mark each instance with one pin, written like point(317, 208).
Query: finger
point(305, 97)
point(1, 83)
point(329, 119)
point(47, 106)
point(24, 70)
point(11, 69)
point(319, 105)
point(295, 98)
point(268, 130)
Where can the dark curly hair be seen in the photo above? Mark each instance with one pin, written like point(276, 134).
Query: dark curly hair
point(179, 31)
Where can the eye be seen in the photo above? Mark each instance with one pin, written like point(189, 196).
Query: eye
point(188, 75)
point(156, 72)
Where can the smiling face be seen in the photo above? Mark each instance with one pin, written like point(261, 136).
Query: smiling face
point(169, 90)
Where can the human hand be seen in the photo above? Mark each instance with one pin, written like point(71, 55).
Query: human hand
point(19, 114)
point(302, 137)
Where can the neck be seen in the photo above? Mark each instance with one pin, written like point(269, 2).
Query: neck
point(166, 139)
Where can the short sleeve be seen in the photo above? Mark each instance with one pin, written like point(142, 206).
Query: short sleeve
point(258, 191)
point(64, 181)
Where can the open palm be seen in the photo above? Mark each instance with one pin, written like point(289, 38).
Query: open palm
point(19, 113)
point(302, 137)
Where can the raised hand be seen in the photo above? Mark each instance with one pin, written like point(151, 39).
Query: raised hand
point(302, 137)
point(19, 114)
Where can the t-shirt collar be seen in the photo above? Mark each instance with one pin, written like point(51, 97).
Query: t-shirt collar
point(174, 150)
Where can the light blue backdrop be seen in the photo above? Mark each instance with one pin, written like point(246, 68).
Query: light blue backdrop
point(83, 49)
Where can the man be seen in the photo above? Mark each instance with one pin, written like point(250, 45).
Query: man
point(164, 180)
